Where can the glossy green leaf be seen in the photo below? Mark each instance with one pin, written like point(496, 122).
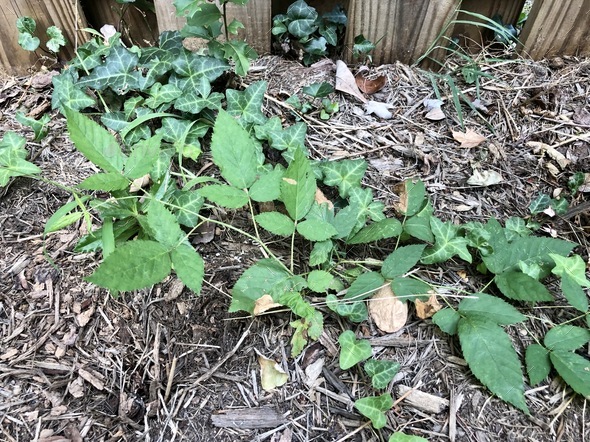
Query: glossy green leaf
point(318, 90)
point(187, 204)
point(418, 225)
point(204, 14)
point(12, 158)
point(247, 105)
point(189, 267)
point(276, 223)
point(133, 266)
point(352, 350)
point(573, 266)
point(226, 196)
point(162, 94)
point(56, 39)
point(289, 139)
point(375, 407)
point(355, 311)
point(402, 260)
point(193, 102)
point(67, 94)
point(298, 187)
point(118, 72)
point(519, 286)
point(538, 364)
point(381, 372)
point(316, 230)
point(241, 53)
point(344, 174)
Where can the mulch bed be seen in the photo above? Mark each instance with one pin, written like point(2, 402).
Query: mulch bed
point(165, 365)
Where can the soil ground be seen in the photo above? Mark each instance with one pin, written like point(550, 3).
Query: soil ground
point(165, 365)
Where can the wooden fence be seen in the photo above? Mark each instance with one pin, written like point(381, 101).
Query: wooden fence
point(403, 28)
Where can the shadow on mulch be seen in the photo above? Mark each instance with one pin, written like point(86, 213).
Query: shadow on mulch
point(165, 365)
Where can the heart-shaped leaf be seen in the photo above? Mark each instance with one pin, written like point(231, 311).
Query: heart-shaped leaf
point(352, 350)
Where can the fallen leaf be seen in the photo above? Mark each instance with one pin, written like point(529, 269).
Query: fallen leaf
point(379, 109)
point(313, 372)
point(271, 374)
point(553, 153)
point(369, 85)
point(468, 139)
point(484, 178)
point(320, 198)
point(43, 79)
point(140, 183)
point(345, 81)
point(389, 313)
point(204, 233)
point(84, 318)
point(264, 303)
point(435, 114)
point(427, 309)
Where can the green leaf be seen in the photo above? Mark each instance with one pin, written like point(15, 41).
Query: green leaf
point(574, 369)
point(298, 187)
point(160, 95)
point(492, 359)
point(374, 407)
point(519, 286)
point(12, 158)
point(387, 228)
point(574, 267)
point(316, 230)
point(355, 311)
point(188, 204)
point(163, 225)
point(566, 337)
point(303, 19)
point(320, 252)
point(401, 437)
point(257, 281)
point(26, 25)
point(247, 105)
point(402, 260)
point(381, 372)
point(364, 286)
point(106, 182)
point(268, 186)
point(56, 40)
point(204, 14)
point(67, 94)
point(516, 227)
point(133, 266)
point(95, 142)
point(241, 53)
point(344, 174)
point(538, 364)
point(64, 216)
point(447, 320)
point(319, 281)
point(142, 158)
point(368, 207)
point(539, 204)
point(234, 151)
point(490, 308)
point(118, 72)
point(225, 196)
point(38, 126)
point(362, 46)
point(412, 197)
point(276, 223)
point(345, 220)
point(418, 225)
point(447, 243)
point(574, 293)
point(318, 90)
point(408, 288)
point(352, 350)
point(193, 102)
point(289, 139)
point(189, 266)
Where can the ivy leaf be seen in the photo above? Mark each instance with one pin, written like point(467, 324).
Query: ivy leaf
point(490, 308)
point(539, 204)
point(132, 266)
point(574, 369)
point(316, 230)
point(159, 95)
point(188, 204)
point(352, 350)
point(492, 359)
point(255, 282)
point(189, 267)
point(401, 260)
point(39, 126)
point(163, 225)
point(204, 14)
point(447, 243)
point(298, 187)
point(355, 311)
point(12, 158)
point(68, 95)
point(226, 196)
point(194, 68)
point(574, 267)
point(387, 228)
point(344, 174)
point(118, 72)
point(95, 142)
point(193, 102)
point(364, 286)
point(538, 364)
point(412, 197)
point(418, 225)
point(519, 286)
point(247, 105)
point(289, 139)
point(318, 90)
point(367, 206)
point(566, 337)
point(381, 372)
point(234, 151)
point(319, 280)
point(447, 320)
point(276, 223)
point(374, 407)
point(56, 39)
point(303, 19)
point(241, 53)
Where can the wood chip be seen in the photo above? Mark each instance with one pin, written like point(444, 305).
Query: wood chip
point(248, 418)
point(428, 403)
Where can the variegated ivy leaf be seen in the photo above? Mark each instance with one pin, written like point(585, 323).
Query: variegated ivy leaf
point(381, 372)
point(353, 350)
point(447, 243)
point(194, 103)
point(12, 158)
point(374, 407)
point(344, 174)
point(175, 129)
point(303, 19)
point(67, 94)
point(247, 105)
point(189, 64)
point(289, 138)
point(160, 95)
point(367, 206)
point(241, 53)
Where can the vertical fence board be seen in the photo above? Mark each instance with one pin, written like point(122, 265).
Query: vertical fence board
point(477, 37)
point(166, 15)
point(405, 28)
point(66, 15)
point(557, 28)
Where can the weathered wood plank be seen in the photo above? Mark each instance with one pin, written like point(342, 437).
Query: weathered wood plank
point(557, 28)
point(248, 418)
point(139, 26)
point(166, 16)
point(404, 28)
point(66, 15)
point(477, 37)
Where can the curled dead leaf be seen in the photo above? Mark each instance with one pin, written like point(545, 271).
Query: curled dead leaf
point(468, 139)
point(427, 309)
point(484, 178)
point(264, 303)
point(271, 374)
point(369, 85)
point(389, 313)
point(346, 83)
point(140, 183)
point(553, 153)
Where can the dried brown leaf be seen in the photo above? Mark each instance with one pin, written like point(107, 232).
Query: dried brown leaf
point(271, 374)
point(553, 153)
point(389, 313)
point(435, 114)
point(427, 309)
point(468, 139)
point(264, 303)
point(84, 317)
point(484, 178)
point(370, 85)
point(346, 83)
point(320, 198)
